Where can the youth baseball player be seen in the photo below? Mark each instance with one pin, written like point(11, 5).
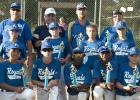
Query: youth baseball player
point(104, 75)
point(122, 44)
point(12, 79)
point(61, 51)
point(91, 45)
point(46, 74)
point(128, 80)
point(13, 33)
point(77, 76)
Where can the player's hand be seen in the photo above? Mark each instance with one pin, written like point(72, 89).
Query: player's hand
point(38, 43)
point(128, 88)
point(109, 86)
point(138, 89)
point(62, 60)
point(28, 62)
point(19, 89)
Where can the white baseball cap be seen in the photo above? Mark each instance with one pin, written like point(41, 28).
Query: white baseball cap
point(50, 11)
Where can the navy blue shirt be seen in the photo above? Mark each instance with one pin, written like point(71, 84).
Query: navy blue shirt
point(126, 76)
point(100, 71)
point(24, 30)
point(11, 74)
point(39, 67)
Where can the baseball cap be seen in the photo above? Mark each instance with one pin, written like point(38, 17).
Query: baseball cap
point(46, 45)
point(103, 49)
point(14, 28)
point(77, 50)
point(81, 5)
point(121, 25)
point(14, 46)
point(133, 51)
point(15, 5)
point(53, 25)
point(50, 11)
point(116, 12)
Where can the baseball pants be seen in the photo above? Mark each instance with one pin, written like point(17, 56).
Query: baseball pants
point(47, 95)
point(80, 96)
point(103, 94)
point(27, 94)
point(133, 97)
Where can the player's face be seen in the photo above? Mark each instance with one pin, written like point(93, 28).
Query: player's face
point(54, 32)
point(134, 59)
point(47, 52)
point(105, 55)
point(81, 13)
point(13, 34)
point(15, 14)
point(91, 32)
point(14, 54)
point(121, 32)
point(77, 58)
point(116, 18)
point(49, 18)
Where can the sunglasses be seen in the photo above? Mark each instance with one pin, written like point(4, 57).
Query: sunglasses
point(55, 28)
point(47, 50)
point(121, 28)
point(18, 10)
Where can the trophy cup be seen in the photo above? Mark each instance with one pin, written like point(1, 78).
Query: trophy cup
point(135, 75)
point(24, 78)
point(109, 69)
point(80, 38)
point(73, 75)
point(61, 46)
point(108, 43)
point(46, 75)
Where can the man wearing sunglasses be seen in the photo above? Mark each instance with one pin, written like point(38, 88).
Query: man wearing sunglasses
point(25, 35)
point(117, 16)
point(47, 84)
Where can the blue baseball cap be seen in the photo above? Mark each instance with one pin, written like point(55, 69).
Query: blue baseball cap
point(77, 50)
point(46, 45)
point(14, 28)
point(53, 25)
point(121, 25)
point(15, 5)
point(103, 49)
point(133, 51)
point(14, 46)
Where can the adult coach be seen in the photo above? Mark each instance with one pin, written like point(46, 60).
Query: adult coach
point(77, 28)
point(117, 16)
point(42, 31)
point(25, 35)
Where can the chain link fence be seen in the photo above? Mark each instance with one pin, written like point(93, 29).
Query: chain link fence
point(99, 11)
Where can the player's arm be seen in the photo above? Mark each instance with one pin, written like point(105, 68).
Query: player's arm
point(122, 87)
point(38, 83)
point(53, 83)
point(11, 88)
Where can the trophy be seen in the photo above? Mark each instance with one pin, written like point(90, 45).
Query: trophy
point(73, 75)
point(46, 75)
point(108, 42)
point(80, 38)
point(109, 69)
point(24, 77)
point(135, 75)
point(61, 46)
